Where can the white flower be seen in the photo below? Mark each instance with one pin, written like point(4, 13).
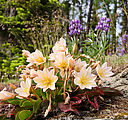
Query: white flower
point(45, 79)
point(104, 72)
point(5, 95)
point(33, 73)
point(60, 46)
point(79, 64)
point(85, 79)
point(24, 90)
point(71, 63)
point(36, 58)
point(25, 53)
point(61, 61)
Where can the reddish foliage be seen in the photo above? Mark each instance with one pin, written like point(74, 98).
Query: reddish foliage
point(67, 108)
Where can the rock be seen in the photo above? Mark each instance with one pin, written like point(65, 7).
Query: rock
point(119, 82)
point(124, 74)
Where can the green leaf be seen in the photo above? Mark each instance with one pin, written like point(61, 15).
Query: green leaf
point(39, 92)
point(26, 104)
point(14, 101)
point(17, 116)
point(36, 105)
point(24, 114)
point(21, 102)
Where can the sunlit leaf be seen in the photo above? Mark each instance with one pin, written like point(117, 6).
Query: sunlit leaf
point(26, 104)
point(23, 115)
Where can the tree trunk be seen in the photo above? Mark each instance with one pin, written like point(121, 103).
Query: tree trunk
point(89, 16)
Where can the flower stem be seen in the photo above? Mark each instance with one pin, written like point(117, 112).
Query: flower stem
point(65, 83)
point(49, 106)
point(35, 93)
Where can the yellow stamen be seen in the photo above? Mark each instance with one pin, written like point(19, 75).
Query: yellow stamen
point(39, 59)
point(25, 90)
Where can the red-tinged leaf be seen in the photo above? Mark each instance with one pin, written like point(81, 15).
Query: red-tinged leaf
point(98, 90)
point(67, 108)
point(95, 100)
point(111, 91)
point(92, 93)
point(91, 102)
point(75, 101)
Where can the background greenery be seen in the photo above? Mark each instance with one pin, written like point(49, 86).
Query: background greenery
point(38, 24)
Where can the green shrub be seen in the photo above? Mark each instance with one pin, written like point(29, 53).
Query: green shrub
point(11, 57)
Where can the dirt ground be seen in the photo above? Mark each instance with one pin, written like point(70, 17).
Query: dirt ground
point(115, 108)
point(110, 108)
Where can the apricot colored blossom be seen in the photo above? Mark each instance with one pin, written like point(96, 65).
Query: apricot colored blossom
point(71, 63)
point(53, 56)
point(25, 53)
point(45, 79)
point(85, 79)
point(61, 61)
point(25, 74)
point(36, 58)
point(24, 89)
point(33, 73)
point(79, 64)
point(5, 95)
point(104, 72)
point(60, 46)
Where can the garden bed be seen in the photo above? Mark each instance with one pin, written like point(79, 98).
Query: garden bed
point(109, 108)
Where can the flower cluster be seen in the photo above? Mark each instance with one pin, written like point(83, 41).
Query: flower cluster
point(64, 68)
point(75, 27)
point(104, 24)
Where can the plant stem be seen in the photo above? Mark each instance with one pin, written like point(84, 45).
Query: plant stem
point(35, 93)
point(65, 83)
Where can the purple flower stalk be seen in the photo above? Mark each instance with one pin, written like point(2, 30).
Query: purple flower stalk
point(104, 24)
point(75, 27)
point(124, 38)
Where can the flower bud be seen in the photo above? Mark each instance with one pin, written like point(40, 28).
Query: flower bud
point(25, 53)
point(74, 48)
point(12, 86)
point(5, 95)
point(71, 63)
point(95, 64)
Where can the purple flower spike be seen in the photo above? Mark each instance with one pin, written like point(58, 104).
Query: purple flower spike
point(75, 27)
point(124, 38)
point(103, 24)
